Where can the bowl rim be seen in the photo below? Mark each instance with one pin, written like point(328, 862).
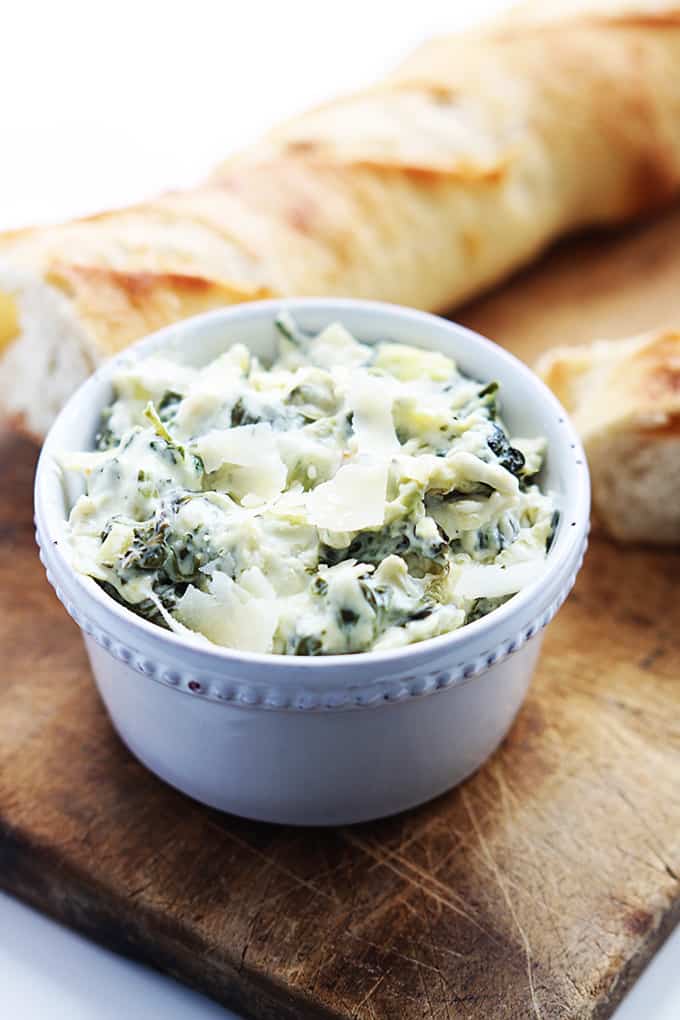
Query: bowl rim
point(562, 558)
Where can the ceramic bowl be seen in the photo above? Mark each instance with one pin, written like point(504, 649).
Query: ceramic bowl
point(318, 740)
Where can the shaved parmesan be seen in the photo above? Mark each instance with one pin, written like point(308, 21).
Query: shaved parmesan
point(253, 453)
point(495, 580)
point(371, 399)
point(228, 615)
point(353, 499)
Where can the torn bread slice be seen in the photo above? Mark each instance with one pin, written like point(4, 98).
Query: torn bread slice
point(624, 398)
point(59, 319)
point(45, 352)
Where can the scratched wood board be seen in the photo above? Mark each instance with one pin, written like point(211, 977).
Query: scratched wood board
point(539, 888)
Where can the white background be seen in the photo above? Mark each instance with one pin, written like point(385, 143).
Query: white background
point(103, 104)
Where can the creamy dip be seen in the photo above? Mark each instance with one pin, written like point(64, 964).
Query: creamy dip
point(344, 498)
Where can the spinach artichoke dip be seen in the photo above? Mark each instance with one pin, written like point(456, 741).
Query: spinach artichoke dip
point(344, 498)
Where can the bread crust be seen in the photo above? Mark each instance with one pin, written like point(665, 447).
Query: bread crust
point(624, 398)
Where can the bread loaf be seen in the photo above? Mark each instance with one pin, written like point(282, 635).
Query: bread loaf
point(624, 398)
point(424, 189)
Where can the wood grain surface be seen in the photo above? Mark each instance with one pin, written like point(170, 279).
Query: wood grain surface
point(537, 889)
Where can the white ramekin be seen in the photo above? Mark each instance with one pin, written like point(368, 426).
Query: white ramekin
point(329, 740)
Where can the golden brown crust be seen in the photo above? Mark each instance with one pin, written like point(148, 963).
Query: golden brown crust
point(653, 374)
point(119, 307)
point(643, 13)
point(618, 384)
point(424, 189)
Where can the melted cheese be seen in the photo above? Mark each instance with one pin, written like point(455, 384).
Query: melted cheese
point(407, 363)
point(336, 346)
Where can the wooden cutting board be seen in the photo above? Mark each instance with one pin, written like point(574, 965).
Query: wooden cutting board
point(537, 889)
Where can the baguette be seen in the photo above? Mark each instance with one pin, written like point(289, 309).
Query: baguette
point(624, 398)
point(425, 189)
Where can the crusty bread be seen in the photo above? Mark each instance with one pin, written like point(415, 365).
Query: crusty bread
point(444, 177)
point(624, 398)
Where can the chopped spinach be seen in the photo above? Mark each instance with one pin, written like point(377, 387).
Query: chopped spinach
point(482, 607)
point(554, 521)
point(399, 539)
point(105, 438)
point(167, 595)
point(148, 549)
point(306, 644)
point(508, 456)
point(168, 406)
point(422, 614)
point(389, 611)
point(314, 400)
point(241, 416)
point(474, 490)
point(279, 416)
point(289, 329)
